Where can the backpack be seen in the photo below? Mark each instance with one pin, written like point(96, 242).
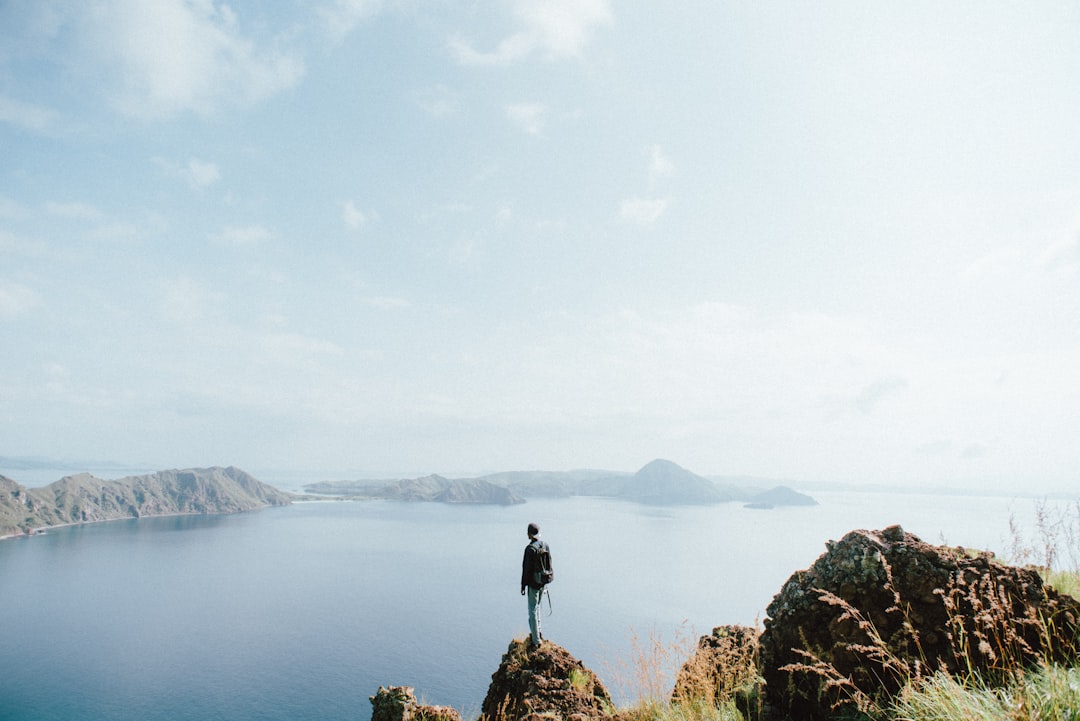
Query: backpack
point(545, 572)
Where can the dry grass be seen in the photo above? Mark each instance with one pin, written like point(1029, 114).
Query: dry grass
point(987, 636)
point(691, 711)
point(724, 667)
point(1003, 665)
point(1004, 692)
point(1005, 657)
point(1049, 693)
point(646, 677)
point(1055, 549)
point(718, 685)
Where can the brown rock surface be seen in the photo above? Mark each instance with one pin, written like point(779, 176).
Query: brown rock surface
point(538, 684)
point(398, 703)
point(880, 607)
point(725, 663)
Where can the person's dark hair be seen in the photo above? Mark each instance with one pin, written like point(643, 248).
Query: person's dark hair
point(534, 530)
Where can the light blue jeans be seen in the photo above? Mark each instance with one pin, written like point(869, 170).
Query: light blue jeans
point(535, 597)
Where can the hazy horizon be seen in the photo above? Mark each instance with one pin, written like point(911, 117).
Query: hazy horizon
point(828, 242)
point(38, 472)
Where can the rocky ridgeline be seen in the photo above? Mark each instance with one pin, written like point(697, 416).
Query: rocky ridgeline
point(878, 608)
point(82, 498)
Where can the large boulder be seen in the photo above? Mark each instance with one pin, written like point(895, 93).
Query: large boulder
point(538, 684)
point(881, 608)
point(724, 667)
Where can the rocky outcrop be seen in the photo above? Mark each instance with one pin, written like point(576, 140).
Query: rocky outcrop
point(538, 684)
point(398, 703)
point(724, 666)
point(880, 608)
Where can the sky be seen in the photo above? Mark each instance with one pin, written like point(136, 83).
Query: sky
point(820, 241)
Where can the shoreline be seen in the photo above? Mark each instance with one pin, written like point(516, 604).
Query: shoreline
point(43, 530)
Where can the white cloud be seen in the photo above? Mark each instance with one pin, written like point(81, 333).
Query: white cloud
point(973, 452)
point(116, 231)
point(386, 302)
point(185, 301)
point(647, 210)
point(200, 174)
point(26, 115)
point(342, 16)
point(934, 448)
point(439, 101)
point(564, 26)
point(553, 28)
point(870, 396)
point(531, 117)
point(19, 245)
point(9, 208)
point(995, 264)
point(197, 173)
point(16, 299)
point(243, 235)
point(660, 165)
point(294, 349)
point(1061, 259)
point(267, 275)
point(73, 210)
point(57, 376)
point(174, 56)
point(643, 211)
point(353, 216)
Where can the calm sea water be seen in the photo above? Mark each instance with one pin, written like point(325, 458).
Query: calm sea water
point(302, 612)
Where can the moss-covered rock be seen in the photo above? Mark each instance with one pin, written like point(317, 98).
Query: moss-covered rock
point(541, 683)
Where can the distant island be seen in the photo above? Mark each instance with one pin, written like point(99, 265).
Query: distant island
point(660, 482)
point(82, 498)
point(429, 488)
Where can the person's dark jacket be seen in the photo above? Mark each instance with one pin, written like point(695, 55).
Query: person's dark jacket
point(530, 565)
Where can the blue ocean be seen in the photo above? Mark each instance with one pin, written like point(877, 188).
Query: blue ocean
point(302, 612)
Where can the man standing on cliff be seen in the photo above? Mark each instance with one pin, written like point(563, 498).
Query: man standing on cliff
point(533, 580)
